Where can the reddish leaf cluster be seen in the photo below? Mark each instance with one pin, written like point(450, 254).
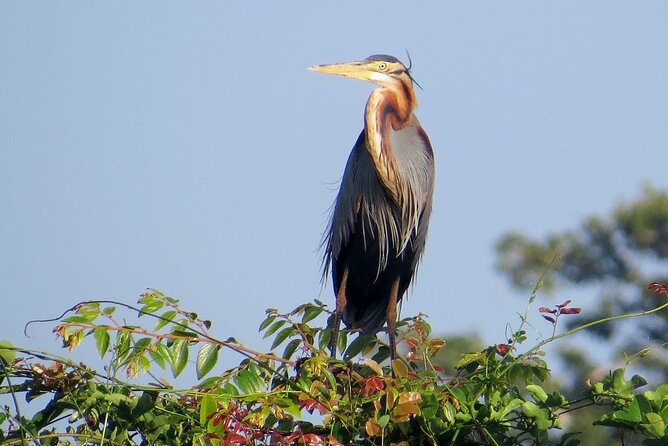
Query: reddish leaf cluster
point(658, 288)
point(310, 405)
point(57, 376)
point(557, 311)
point(373, 385)
point(302, 439)
point(231, 422)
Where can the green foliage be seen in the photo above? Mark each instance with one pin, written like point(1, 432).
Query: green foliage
point(499, 395)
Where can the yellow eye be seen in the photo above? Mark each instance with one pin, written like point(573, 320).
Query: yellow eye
point(382, 66)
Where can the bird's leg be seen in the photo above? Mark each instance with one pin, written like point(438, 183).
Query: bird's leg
point(391, 317)
point(340, 305)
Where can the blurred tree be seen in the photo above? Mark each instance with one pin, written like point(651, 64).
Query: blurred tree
point(621, 253)
point(456, 346)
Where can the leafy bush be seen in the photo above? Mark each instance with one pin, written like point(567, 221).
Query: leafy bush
point(501, 395)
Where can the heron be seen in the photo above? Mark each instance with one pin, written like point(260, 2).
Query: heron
point(378, 227)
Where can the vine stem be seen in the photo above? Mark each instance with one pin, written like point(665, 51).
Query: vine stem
point(239, 348)
point(584, 327)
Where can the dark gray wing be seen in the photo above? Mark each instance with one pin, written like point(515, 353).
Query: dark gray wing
point(370, 234)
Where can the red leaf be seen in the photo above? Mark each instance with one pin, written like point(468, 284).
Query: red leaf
point(312, 440)
point(568, 301)
point(547, 310)
point(502, 349)
point(333, 441)
point(550, 318)
point(309, 405)
point(373, 385)
point(292, 436)
point(412, 356)
point(412, 342)
point(574, 310)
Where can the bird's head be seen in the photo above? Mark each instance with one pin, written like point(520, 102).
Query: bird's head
point(381, 69)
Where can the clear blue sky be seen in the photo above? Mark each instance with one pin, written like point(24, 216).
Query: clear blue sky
point(184, 146)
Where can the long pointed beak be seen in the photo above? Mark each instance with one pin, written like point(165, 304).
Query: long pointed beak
point(355, 70)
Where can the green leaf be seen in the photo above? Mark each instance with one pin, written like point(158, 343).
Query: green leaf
point(209, 383)
point(7, 355)
point(206, 408)
point(537, 392)
point(323, 339)
point(423, 327)
point(265, 323)
point(189, 335)
point(638, 381)
point(382, 354)
point(160, 354)
point(144, 363)
point(655, 424)
point(311, 313)
point(141, 346)
point(230, 390)
point(102, 340)
point(643, 404)
point(342, 341)
point(178, 356)
point(123, 339)
point(509, 408)
point(374, 366)
point(108, 311)
point(664, 414)
point(357, 345)
point(274, 327)
point(145, 403)
point(206, 359)
point(248, 382)
point(282, 336)
point(399, 368)
point(79, 319)
point(329, 376)
point(165, 318)
point(292, 409)
point(618, 381)
point(172, 300)
point(117, 398)
point(291, 348)
point(470, 359)
point(152, 306)
point(535, 412)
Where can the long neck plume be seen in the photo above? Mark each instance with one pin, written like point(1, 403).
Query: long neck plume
point(388, 109)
